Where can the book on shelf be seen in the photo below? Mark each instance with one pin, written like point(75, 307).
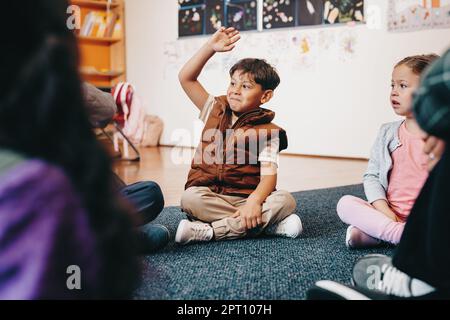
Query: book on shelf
point(101, 25)
point(117, 32)
point(111, 21)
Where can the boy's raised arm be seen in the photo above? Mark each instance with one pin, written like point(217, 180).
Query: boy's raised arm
point(221, 41)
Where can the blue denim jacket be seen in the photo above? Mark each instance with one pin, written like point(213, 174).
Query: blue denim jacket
point(380, 162)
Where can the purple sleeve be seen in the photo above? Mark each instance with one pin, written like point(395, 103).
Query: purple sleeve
point(43, 231)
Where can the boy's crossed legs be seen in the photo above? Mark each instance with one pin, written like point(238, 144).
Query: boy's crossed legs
point(215, 213)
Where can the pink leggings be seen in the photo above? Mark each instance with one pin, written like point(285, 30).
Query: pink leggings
point(364, 216)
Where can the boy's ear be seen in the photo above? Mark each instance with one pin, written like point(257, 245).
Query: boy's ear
point(267, 95)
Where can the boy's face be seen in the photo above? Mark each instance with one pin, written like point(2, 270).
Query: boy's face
point(244, 94)
point(404, 83)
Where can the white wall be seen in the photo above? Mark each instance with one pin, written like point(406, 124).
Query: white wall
point(330, 102)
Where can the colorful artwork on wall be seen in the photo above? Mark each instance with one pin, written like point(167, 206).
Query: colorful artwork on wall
point(215, 13)
point(278, 13)
point(343, 11)
point(412, 15)
point(198, 17)
point(309, 12)
point(190, 21)
point(242, 14)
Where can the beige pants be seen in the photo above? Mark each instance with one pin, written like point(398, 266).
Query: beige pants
point(200, 203)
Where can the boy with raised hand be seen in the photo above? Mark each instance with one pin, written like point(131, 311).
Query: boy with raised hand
point(231, 188)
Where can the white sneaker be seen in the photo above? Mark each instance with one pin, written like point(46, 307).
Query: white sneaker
point(398, 283)
point(188, 231)
point(290, 227)
point(348, 239)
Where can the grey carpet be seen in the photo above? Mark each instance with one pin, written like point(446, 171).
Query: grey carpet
point(263, 268)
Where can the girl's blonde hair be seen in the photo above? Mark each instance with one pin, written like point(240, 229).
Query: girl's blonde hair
point(418, 63)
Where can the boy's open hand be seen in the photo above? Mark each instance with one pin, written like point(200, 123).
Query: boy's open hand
point(251, 215)
point(224, 39)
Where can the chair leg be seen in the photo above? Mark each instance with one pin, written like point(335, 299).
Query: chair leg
point(126, 143)
point(114, 141)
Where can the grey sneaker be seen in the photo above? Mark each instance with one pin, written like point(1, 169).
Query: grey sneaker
point(188, 231)
point(376, 272)
point(367, 270)
point(290, 227)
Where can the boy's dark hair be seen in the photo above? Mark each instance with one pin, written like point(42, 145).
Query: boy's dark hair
point(262, 72)
point(418, 63)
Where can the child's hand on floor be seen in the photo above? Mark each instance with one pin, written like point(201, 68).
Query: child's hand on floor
point(224, 39)
point(251, 215)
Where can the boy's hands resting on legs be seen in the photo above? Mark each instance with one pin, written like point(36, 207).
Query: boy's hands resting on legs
point(251, 214)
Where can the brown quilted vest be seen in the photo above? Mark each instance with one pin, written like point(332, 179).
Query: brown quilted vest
point(226, 158)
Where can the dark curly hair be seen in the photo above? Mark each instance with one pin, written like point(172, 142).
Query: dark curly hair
point(262, 72)
point(42, 115)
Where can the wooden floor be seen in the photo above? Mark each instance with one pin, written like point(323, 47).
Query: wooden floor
point(169, 168)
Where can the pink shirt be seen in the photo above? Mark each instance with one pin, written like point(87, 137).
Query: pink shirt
point(408, 174)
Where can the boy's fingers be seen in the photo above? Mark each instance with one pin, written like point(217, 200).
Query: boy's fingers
point(232, 34)
point(230, 29)
point(249, 223)
point(234, 39)
point(259, 220)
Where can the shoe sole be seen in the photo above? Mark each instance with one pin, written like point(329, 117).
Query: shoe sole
point(178, 234)
point(347, 237)
point(330, 290)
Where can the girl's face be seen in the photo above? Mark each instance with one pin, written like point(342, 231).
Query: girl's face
point(404, 83)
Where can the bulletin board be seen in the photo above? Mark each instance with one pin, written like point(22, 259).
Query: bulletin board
point(199, 17)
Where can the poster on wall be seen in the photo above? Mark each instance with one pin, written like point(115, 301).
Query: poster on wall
point(242, 14)
point(190, 21)
point(197, 17)
point(214, 15)
point(412, 15)
point(343, 11)
point(309, 12)
point(278, 13)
